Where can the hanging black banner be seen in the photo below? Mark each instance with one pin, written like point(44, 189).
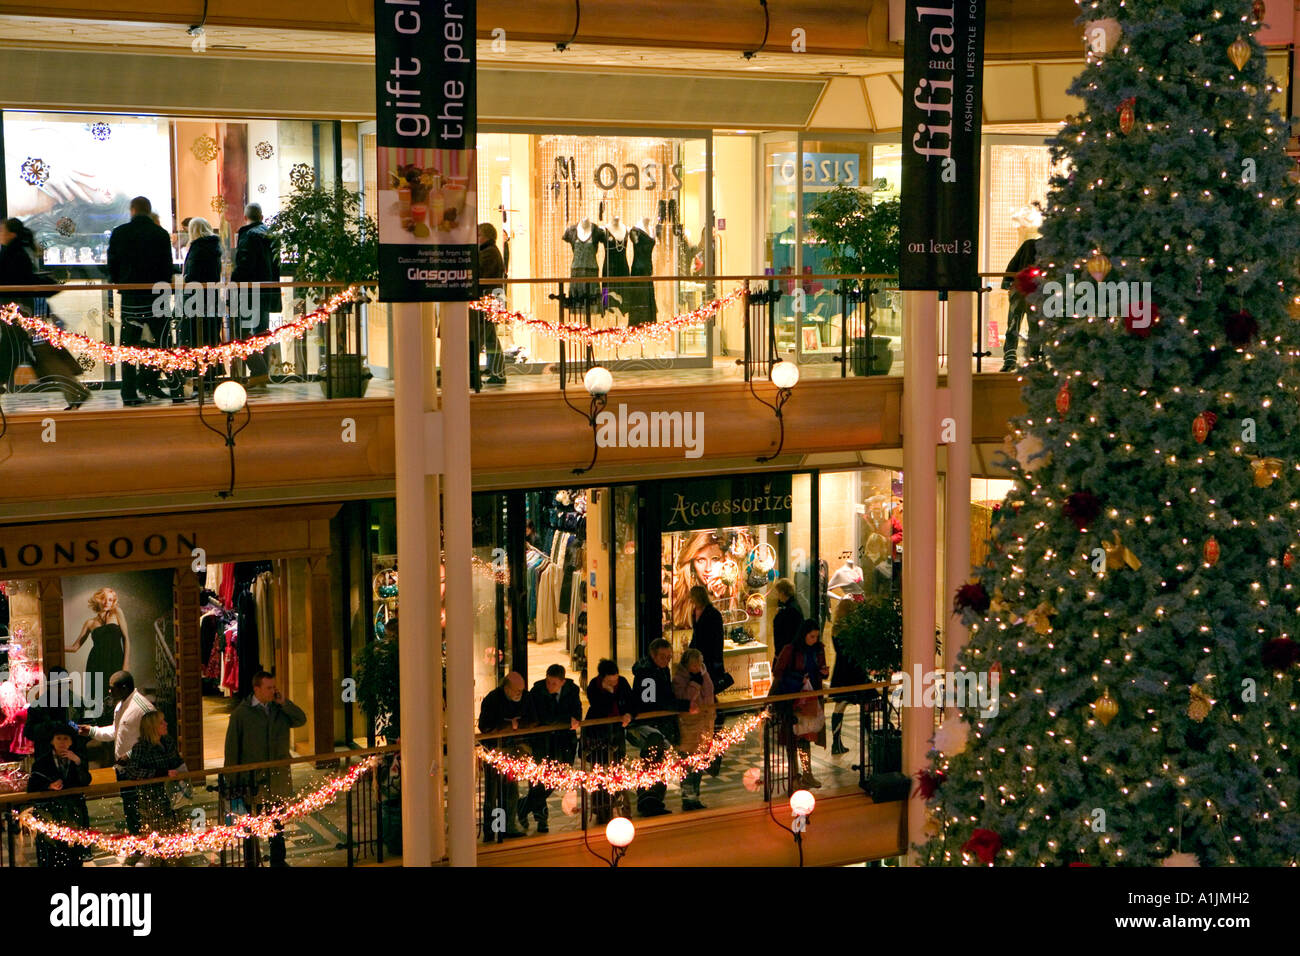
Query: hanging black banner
point(425, 157)
point(943, 78)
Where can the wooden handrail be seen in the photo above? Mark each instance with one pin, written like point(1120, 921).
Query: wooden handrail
point(749, 703)
point(107, 789)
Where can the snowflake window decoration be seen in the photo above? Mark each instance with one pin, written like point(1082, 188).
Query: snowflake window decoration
point(101, 131)
point(204, 149)
point(35, 171)
point(301, 176)
point(261, 188)
point(218, 204)
point(66, 227)
point(86, 361)
point(264, 150)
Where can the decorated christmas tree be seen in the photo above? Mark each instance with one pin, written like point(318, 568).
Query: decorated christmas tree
point(1139, 604)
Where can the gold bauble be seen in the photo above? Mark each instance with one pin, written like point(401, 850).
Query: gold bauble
point(1239, 52)
point(1198, 708)
point(1104, 708)
point(1098, 267)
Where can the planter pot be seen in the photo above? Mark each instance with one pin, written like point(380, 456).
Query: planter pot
point(345, 376)
point(878, 361)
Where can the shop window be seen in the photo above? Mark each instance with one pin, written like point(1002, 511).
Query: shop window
point(21, 652)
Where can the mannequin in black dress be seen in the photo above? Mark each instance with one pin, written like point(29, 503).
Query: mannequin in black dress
point(584, 236)
point(616, 264)
point(640, 297)
point(107, 633)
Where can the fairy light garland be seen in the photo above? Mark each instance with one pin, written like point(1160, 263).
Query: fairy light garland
point(628, 775)
point(180, 359)
point(209, 839)
point(660, 331)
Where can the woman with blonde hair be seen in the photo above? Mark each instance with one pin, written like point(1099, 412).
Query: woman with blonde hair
point(154, 755)
point(692, 685)
point(698, 565)
point(106, 630)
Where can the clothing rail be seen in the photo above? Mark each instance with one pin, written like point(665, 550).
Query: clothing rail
point(749, 703)
point(108, 789)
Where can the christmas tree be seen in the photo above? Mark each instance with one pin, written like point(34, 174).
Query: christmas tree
point(1140, 602)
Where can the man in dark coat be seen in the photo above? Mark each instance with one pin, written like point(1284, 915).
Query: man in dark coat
point(140, 251)
point(786, 622)
point(508, 707)
point(1018, 307)
point(490, 266)
point(555, 700)
point(59, 768)
point(257, 259)
point(259, 731)
point(652, 689)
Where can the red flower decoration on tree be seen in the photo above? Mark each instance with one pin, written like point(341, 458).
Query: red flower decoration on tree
point(1082, 508)
point(984, 844)
point(971, 597)
point(1240, 327)
point(1141, 325)
point(1026, 280)
point(927, 783)
point(1280, 653)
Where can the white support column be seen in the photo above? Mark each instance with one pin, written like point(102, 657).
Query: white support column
point(920, 488)
point(419, 631)
point(957, 549)
point(458, 548)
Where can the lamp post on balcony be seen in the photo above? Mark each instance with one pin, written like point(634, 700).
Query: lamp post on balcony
point(802, 803)
point(620, 832)
point(230, 399)
point(785, 376)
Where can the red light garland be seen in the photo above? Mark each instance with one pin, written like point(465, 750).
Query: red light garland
point(178, 359)
point(618, 335)
point(209, 839)
point(628, 775)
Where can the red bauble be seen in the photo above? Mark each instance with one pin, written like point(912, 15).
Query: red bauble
point(1280, 653)
point(984, 844)
point(1288, 560)
point(1127, 115)
point(1141, 326)
point(928, 782)
point(1082, 508)
point(1202, 424)
point(1063, 399)
point(1026, 280)
point(1210, 551)
point(1240, 327)
point(972, 597)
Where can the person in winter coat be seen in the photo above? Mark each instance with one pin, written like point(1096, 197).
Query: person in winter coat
point(847, 673)
point(555, 700)
point(140, 251)
point(1018, 308)
point(257, 259)
point(788, 619)
point(801, 664)
point(202, 267)
point(692, 686)
point(59, 768)
point(652, 689)
point(507, 707)
point(18, 257)
point(608, 695)
point(154, 755)
point(258, 732)
point(490, 266)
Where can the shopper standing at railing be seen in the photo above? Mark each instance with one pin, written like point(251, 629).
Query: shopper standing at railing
point(652, 689)
point(555, 700)
point(129, 708)
point(508, 707)
point(202, 324)
point(154, 755)
point(608, 695)
point(692, 685)
point(140, 252)
point(801, 666)
point(257, 260)
point(258, 732)
point(60, 769)
point(490, 266)
point(788, 619)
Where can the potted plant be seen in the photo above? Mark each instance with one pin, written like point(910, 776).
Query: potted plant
point(378, 693)
point(871, 634)
point(861, 235)
point(329, 239)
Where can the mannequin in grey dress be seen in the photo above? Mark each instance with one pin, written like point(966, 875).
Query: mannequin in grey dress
point(584, 237)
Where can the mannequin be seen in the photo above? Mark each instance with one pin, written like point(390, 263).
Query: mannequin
point(616, 234)
point(846, 575)
point(640, 296)
point(584, 236)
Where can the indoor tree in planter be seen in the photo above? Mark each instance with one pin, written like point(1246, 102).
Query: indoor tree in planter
point(324, 232)
point(861, 236)
point(378, 692)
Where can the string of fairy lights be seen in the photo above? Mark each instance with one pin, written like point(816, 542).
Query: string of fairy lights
point(628, 775)
point(651, 332)
point(183, 358)
point(170, 846)
point(1011, 631)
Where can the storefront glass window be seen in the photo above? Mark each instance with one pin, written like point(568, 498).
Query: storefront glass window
point(21, 660)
